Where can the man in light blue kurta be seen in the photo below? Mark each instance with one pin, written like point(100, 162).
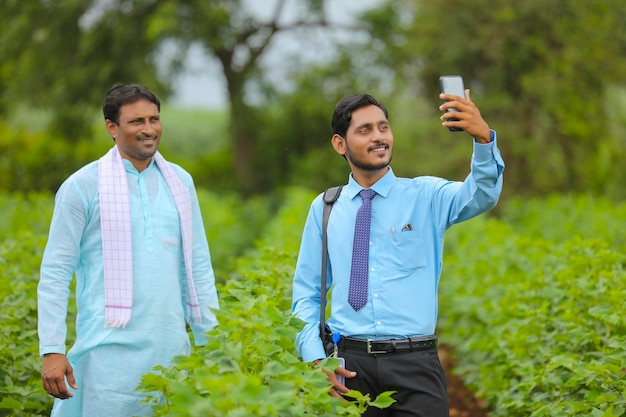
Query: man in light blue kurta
point(108, 362)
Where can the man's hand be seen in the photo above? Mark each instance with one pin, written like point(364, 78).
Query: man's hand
point(54, 370)
point(468, 115)
point(338, 388)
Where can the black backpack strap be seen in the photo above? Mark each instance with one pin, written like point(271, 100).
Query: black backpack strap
point(330, 196)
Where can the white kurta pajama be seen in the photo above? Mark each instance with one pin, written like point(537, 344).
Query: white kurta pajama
point(108, 362)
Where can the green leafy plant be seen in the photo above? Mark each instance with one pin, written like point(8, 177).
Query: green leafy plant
point(531, 304)
point(249, 365)
point(21, 392)
point(538, 323)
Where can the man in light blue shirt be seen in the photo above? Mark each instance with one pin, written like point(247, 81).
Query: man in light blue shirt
point(389, 343)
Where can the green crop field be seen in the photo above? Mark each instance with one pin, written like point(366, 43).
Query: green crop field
point(531, 304)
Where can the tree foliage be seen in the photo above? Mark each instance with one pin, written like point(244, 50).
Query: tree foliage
point(546, 73)
point(238, 39)
point(65, 57)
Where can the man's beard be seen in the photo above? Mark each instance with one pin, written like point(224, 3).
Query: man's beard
point(367, 166)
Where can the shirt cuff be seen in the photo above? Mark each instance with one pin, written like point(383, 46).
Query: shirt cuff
point(313, 352)
point(484, 151)
point(44, 350)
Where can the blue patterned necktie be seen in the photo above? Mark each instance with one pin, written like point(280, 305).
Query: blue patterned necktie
point(357, 294)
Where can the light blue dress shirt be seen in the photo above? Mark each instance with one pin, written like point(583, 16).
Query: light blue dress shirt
point(409, 218)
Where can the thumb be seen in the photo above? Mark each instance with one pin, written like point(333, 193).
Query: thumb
point(70, 377)
point(345, 372)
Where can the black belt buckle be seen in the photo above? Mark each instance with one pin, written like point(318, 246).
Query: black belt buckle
point(371, 351)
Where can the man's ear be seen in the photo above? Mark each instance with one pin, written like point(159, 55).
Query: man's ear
point(339, 143)
point(111, 128)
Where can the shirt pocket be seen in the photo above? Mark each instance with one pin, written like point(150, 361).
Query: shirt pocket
point(405, 251)
point(170, 230)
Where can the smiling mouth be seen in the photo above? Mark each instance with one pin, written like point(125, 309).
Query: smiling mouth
point(147, 140)
point(379, 148)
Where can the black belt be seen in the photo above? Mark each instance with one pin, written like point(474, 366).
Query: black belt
point(389, 346)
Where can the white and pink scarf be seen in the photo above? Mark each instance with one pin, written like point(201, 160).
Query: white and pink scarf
point(117, 248)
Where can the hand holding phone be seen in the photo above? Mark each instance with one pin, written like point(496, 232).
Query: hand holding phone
point(452, 84)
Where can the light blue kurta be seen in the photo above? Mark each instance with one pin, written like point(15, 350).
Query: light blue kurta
point(108, 363)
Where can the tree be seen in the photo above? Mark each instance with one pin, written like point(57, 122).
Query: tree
point(64, 57)
point(239, 40)
point(545, 72)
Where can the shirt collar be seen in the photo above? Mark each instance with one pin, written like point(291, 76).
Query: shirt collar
point(131, 168)
point(382, 186)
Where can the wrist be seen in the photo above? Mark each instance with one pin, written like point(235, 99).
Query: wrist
point(484, 138)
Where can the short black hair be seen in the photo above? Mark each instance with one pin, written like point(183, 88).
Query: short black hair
point(342, 116)
point(121, 94)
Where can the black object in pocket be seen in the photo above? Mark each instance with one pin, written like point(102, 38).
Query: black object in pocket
point(327, 341)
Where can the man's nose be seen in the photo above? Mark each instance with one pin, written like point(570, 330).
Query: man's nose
point(379, 135)
point(148, 128)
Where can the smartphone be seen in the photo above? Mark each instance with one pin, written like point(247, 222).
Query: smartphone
point(452, 84)
point(342, 364)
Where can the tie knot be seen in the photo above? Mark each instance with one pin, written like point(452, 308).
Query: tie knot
point(367, 194)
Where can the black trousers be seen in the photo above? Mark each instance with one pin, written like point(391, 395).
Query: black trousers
point(417, 377)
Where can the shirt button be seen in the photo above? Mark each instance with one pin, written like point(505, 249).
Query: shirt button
point(373, 269)
point(371, 243)
point(378, 323)
point(375, 295)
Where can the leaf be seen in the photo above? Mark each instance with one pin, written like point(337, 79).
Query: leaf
point(384, 399)
point(10, 404)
